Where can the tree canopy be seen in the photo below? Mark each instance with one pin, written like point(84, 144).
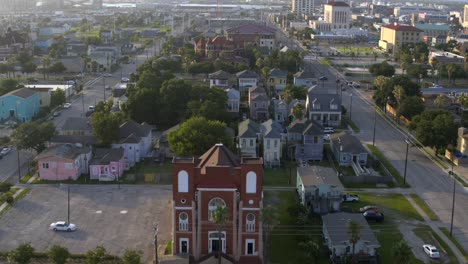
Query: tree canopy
point(105, 124)
point(57, 98)
point(291, 92)
point(196, 135)
point(410, 106)
point(382, 69)
point(33, 135)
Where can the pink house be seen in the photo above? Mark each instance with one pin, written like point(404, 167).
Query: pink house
point(107, 164)
point(63, 162)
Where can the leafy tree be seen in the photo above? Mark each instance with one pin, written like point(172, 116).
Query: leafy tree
point(131, 257)
point(91, 40)
point(33, 135)
point(7, 85)
point(143, 106)
point(383, 69)
point(57, 67)
point(29, 67)
point(58, 254)
point(220, 217)
point(209, 103)
point(399, 93)
point(22, 254)
point(298, 111)
point(57, 98)
point(401, 252)
point(311, 250)
point(269, 217)
point(105, 127)
point(96, 256)
point(440, 101)
point(417, 70)
point(200, 67)
point(291, 92)
point(175, 94)
point(354, 233)
point(435, 128)
point(196, 135)
point(410, 106)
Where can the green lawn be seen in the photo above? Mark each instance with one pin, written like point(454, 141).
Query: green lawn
point(354, 49)
point(423, 206)
point(351, 124)
point(387, 237)
point(454, 241)
point(430, 237)
point(388, 165)
point(393, 205)
point(279, 176)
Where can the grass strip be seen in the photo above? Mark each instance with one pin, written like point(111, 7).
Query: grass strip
point(353, 125)
point(423, 206)
point(394, 172)
point(430, 237)
point(22, 193)
point(455, 242)
point(168, 250)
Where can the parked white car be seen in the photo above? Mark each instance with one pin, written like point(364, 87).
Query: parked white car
point(67, 105)
point(5, 151)
point(63, 226)
point(350, 198)
point(431, 251)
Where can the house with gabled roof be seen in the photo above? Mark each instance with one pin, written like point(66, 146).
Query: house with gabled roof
point(323, 108)
point(348, 150)
point(136, 140)
point(233, 102)
point(107, 164)
point(249, 133)
point(271, 133)
point(218, 178)
point(277, 80)
point(305, 140)
point(18, 106)
point(305, 78)
point(76, 126)
point(258, 103)
point(220, 79)
point(246, 79)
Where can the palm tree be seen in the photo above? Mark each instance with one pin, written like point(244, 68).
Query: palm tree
point(269, 218)
point(401, 252)
point(45, 66)
point(440, 101)
point(462, 100)
point(220, 218)
point(298, 111)
point(311, 250)
point(354, 233)
point(451, 68)
point(399, 93)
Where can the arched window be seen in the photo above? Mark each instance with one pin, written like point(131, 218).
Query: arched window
point(250, 223)
point(183, 221)
point(213, 204)
point(182, 181)
point(251, 182)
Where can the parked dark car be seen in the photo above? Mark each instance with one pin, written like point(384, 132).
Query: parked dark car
point(368, 208)
point(323, 78)
point(373, 215)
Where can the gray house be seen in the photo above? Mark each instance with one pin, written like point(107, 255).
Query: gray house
point(319, 189)
point(323, 108)
point(336, 237)
point(246, 79)
point(305, 140)
point(249, 132)
point(220, 79)
point(258, 103)
point(348, 150)
point(271, 134)
point(306, 79)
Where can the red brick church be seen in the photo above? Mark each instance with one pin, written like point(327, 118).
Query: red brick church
point(200, 185)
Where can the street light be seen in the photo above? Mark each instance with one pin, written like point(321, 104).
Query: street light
point(350, 105)
point(68, 202)
point(408, 142)
point(104, 79)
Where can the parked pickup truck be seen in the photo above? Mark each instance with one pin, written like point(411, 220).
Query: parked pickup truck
point(350, 198)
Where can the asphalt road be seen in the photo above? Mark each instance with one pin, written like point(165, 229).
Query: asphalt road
point(105, 215)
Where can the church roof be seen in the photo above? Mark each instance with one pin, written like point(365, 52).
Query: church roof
point(218, 156)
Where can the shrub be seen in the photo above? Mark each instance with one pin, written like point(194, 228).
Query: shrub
point(96, 256)
point(131, 257)
point(5, 187)
point(58, 254)
point(9, 199)
point(22, 254)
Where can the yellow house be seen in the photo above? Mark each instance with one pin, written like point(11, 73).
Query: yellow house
point(277, 80)
point(462, 141)
point(393, 36)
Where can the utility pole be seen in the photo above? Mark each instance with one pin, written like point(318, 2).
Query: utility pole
point(82, 101)
point(104, 79)
point(453, 198)
point(19, 166)
point(68, 213)
point(375, 123)
point(155, 243)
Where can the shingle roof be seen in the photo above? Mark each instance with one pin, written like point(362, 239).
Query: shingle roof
point(271, 129)
point(76, 123)
point(256, 90)
point(104, 156)
point(246, 74)
point(278, 73)
point(337, 3)
point(259, 97)
point(218, 156)
point(317, 175)
point(133, 128)
point(221, 75)
point(336, 224)
point(22, 93)
point(248, 129)
point(72, 139)
point(305, 126)
point(233, 94)
point(65, 151)
point(402, 28)
point(251, 29)
point(349, 143)
point(324, 100)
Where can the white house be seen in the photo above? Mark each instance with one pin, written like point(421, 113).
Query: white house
point(246, 79)
point(233, 100)
point(271, 134)
point(249, 132)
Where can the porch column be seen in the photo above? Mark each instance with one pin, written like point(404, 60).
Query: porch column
point(194, 229)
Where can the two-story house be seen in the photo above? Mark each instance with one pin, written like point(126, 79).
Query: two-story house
point(337, 238)
point(107, 164)
point(258, 103)
point(322, 108)
point(233, 102)
point(319, 189)
point(305, 140)
point(305, 78)
point(271, 133)
point(18, 106)
point(105, 56)
point(277, 80)
point(349, 151)
point(249, 132)
point(76, 126)
point(220, 79)
point(246, 79)
point(136, 140)
point(63, 162)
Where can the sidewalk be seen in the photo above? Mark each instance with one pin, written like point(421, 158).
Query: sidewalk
point(434, 225)
point(5, 204)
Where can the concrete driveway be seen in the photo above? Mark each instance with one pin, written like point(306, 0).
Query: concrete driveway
point(104, 215)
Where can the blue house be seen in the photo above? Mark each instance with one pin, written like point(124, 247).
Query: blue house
point(305, 140)
point(18, 106)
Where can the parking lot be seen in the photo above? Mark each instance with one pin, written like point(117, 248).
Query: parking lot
point(105, 215)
